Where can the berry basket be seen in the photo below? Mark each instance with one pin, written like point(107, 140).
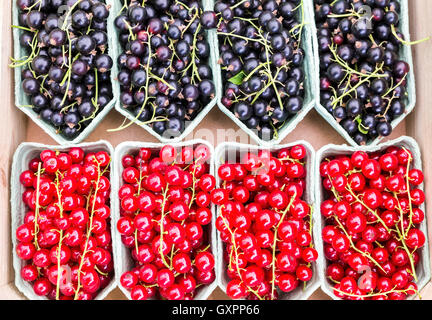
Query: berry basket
point(211, 40)
point(310, 87)
point(24, 153)
point(423, 268)
point(230, 152)
point(405, 54)
point(22, 101)
point(121, 252)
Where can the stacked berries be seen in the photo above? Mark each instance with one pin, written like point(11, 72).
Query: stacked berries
point(65, 238)
point(363, 79)
point(164, 76)
point(262, 60)
point(371, 236)
point(66, 68)
point(165, 221)
point(265, 224)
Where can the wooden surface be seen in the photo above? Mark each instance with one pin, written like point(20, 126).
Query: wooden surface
point(16, 128)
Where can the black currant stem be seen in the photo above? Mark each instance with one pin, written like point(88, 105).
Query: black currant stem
point(131, 33)
point(183, 4)
point(301, 25)
point(66, 18)
point(195, 16)
point(352, 13)
point(238, 4)
point(135, 120)
point(269, 72)
point(23, 28)
point(193, 56)
point(275, 240)
point(341, 97)
point(125, 6)
point(27, 59)
point(160, 79)
point(38, 2)
point(350, 70)
point(89, 226)
point(404, 42)
point(230, 34)
point(94, 100)
point(37, 206)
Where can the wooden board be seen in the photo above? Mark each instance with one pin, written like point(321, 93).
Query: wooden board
point(16, 128)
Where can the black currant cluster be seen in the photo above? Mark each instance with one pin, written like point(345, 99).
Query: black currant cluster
point(66, 71)
point(363, 80)
point(164, 74)
point(262, 59)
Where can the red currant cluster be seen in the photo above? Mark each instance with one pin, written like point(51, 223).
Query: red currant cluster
point(372, 236)
point(165, 220)
point(65, 239)
point(265, 224)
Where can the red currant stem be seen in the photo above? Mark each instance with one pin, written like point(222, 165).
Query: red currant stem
point(194, 182)
point(37, 206)
point(333, 189)
point(234, 245)
point(59, 196)
point(100, 272)
point(161, 223)
point(349, 189)
point(291, 159)
point(365, 254)
point(89, 228)
point(376, 294)
point(404, 42)
point(139, 192)
point(410, 257)
point(275, 239)
point(205, 249)
point(408, 191)
point(379, 244)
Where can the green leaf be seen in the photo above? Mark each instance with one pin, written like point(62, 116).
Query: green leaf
point(238, 78)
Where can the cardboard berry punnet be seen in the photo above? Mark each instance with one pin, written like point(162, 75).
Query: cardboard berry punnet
point(231, 152)
point(121, 252)
point(423, 268)
point(26, 152)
